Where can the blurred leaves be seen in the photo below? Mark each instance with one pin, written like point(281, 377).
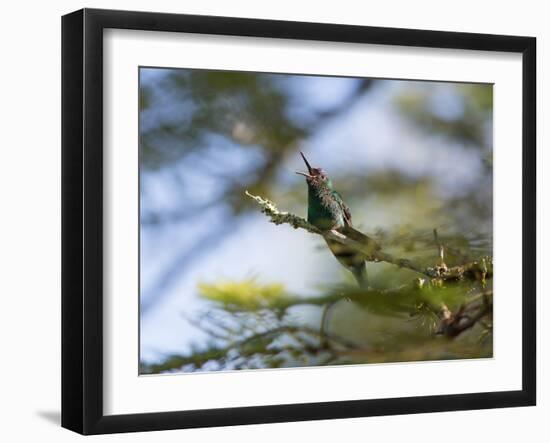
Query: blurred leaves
point(196, 106)
point(246, 295)
point(255, 326)
point(405, 300)
point(471, 105)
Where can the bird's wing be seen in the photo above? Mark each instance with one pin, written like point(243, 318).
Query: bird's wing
point(347, 215)
point(349, 231)
point(345, 209)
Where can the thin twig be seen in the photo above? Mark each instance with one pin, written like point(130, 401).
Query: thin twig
point(466, 316)
point(324, 323)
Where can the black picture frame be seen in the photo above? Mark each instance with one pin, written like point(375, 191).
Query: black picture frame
point(82, 220)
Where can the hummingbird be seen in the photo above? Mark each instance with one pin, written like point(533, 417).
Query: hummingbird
point(326, 210)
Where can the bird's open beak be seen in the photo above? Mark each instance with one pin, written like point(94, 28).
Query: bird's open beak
point(308, 167)
point(306, 162)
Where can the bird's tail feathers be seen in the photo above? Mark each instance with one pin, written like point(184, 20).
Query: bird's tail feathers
point(359, 237)
point(360, 274)
point(351, 259)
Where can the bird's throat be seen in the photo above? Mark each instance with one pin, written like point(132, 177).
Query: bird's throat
point(322, 212)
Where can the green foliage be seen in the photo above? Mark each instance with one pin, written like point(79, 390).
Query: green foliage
point(408, 300)
point(255, 326)
point(246, 295)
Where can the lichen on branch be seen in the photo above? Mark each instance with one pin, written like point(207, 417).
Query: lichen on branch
point(278, 217)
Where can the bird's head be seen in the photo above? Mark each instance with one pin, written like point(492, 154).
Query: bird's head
point(314, 176)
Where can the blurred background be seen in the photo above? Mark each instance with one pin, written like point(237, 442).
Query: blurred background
point(222, 288)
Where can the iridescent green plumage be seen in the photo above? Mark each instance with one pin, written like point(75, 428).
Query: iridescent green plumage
point(326, 211)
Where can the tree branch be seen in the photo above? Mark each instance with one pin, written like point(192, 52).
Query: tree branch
point(245, 347)
point(475, 270)
point(466, 316)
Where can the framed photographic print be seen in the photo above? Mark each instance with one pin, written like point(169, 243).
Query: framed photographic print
point(269, 221)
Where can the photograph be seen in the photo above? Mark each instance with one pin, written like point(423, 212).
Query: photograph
point(292, 220)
